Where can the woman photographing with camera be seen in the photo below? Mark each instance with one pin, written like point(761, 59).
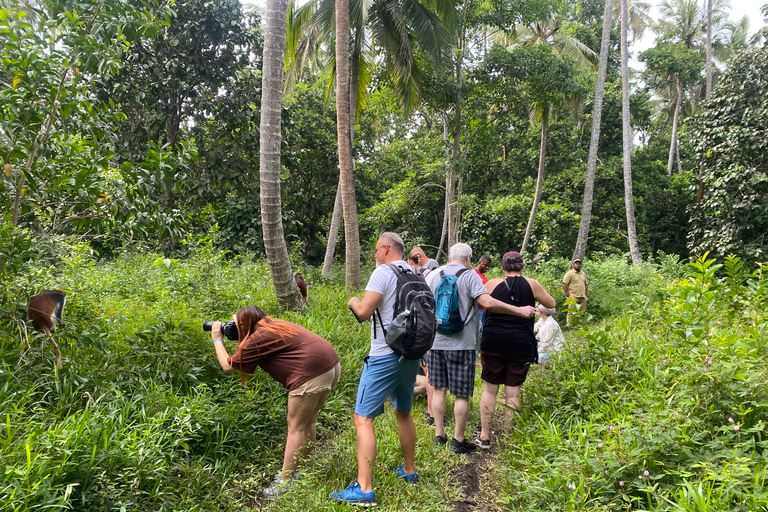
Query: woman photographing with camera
point(300, 360)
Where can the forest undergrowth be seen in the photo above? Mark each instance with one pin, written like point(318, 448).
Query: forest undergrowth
point(658, 403)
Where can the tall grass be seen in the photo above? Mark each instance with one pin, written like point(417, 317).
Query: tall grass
point(142, 418)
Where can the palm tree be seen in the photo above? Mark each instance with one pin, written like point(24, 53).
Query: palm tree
point(397, 26)
point(548, 32)
point(684, 21)
point(629, 205)
point(269, 167)
point(597, 110)
point(545, 114)
point(639, 17)
point(708, 93)
point(343, 128)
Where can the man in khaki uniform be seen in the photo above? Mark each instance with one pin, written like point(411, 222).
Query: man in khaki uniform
point(575, 285)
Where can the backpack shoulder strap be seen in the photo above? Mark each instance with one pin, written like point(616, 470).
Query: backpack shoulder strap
point(472, 302)
point(461, 271)
point(398, 271)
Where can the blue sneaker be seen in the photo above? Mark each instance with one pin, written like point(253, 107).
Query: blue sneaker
point(408, 477)
point(355, 496)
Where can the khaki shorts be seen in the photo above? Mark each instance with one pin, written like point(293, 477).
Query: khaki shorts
point(319, 384)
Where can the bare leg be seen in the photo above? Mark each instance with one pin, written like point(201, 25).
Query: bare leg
point(487, 408)
point(310, 431)
point(438, 407)
point(460, 413)
point(512, 400)
point(366, 451)
point(302, 411)
point(407, 433)
point(430, 392)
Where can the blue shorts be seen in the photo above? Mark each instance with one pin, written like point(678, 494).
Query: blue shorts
point(384, 377)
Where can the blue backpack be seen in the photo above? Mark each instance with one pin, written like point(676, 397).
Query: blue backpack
point(447, 311)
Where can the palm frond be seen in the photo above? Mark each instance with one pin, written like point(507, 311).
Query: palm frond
point(572, 47)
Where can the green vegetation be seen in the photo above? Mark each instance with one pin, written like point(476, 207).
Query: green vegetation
point(130, 148)
point(142, 418)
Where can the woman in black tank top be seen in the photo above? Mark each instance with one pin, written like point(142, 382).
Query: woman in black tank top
point(509, 345)
point(511, 334)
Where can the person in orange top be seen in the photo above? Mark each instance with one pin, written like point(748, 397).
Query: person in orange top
point(300, 360)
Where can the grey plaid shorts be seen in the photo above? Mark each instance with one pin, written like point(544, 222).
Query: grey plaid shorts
point(452, 369)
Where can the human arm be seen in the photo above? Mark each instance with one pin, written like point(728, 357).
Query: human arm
point(507, 309)
point(586, 289)
point(540, 294)
point(565, 289)
point(485, 301)
point(218, 345)
point(366, 307)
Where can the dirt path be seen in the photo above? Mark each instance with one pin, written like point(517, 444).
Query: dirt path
point(474, 476)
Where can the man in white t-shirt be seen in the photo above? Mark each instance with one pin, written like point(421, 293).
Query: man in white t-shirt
point(384, 376)
point(451, 361)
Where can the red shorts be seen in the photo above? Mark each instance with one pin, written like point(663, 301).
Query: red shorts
point(503, 368)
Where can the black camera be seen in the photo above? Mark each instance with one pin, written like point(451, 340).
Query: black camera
point(228, 329)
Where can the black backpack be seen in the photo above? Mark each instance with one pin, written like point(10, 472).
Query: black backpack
point(412, 330)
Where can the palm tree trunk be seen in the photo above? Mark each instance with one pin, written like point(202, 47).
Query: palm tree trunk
point(594, 141)
point(708, 93)
point(629, 205)
point(343, 129)
point(453, 212)
point(448, 180)
point(675, 119)
point(540, 180)
point(288, 295)
point(333, 231)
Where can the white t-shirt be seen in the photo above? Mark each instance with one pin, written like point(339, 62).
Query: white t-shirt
point(550, 335)
point(469, 286)
point(383, 281)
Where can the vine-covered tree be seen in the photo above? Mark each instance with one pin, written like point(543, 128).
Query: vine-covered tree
point(729, 138)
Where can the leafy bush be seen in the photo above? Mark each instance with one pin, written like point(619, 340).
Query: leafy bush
point(666, 414)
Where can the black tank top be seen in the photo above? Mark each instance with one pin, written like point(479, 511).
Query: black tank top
point(511, 334)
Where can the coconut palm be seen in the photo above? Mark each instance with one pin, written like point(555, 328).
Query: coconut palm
point(685, 22)
point(269, 166)
point(597, 109)
point(396, 26)
point(639, 17)
point(629, 205)
point(343, 128)
point(708, 94)
point(548, 31)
